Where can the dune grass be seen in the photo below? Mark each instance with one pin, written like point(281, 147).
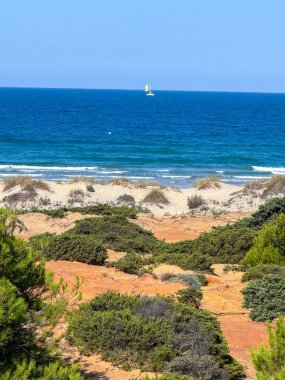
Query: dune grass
point(157, 197)
point(25, 182)
point(274, 186)
point(208, 182)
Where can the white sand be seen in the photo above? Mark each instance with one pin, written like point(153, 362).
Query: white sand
point(227, 198)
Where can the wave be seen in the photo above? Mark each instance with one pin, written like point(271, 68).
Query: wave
point(176, 176)
point(250, 177)
point(49, 168)
point(269, 169)
point(220, 171)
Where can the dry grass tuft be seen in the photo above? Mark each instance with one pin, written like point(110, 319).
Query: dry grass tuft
point(157, 197)
point(274, 186)
point(76, 196)
point(78, 179)
point(25, 182)
point(208, 182)
point(120, 182)
point(257, 184)
point(137, 185)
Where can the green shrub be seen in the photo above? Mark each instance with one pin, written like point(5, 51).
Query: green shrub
point(117, 233)
point(85, 249)
point(126, 199)
point(190, 295)
point(269, 244)
point(195, 201)
point(265, 297)
point(130, 263)
point(29, 370)
point(265, 212)
point(31, 304)
point(148, 332)
point(98, 209)
point(269, 362)
point(258, 272)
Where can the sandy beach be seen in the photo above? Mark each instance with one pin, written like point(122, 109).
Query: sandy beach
point(216, 200)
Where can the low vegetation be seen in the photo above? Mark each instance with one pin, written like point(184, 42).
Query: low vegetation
point(265, 297)
point(130, 263)
point(193, 280)
point(97, 209)
point(208, 182)
point(258, 272)
point(75, 196)
point(153, 333)
point(24, 181)
point(156, 197)
point(117, 233)
point(90, 188)
point(195, 201)
point(86, 249)
point(269, 361)
point(126, 199)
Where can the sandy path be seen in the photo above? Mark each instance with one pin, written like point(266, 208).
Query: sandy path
point(223, 298)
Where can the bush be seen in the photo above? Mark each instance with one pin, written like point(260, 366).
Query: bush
point(167, 377)
point(117, 233)
point(269, 362)
point(76, 196)
point(190, 295)
point(265, 213)
point(265, 297)
point(149, 333)
point(90, 188)
point(269, 244)
point(126, 199)
point(85, 249)
point(156, 197)
point(274, 186)
point(130, 263)
point(195, 201)
point(30, 306)
point(203, 367)
point(208, 182)
point(194, 280)
point(30, 370)
point(258, 272)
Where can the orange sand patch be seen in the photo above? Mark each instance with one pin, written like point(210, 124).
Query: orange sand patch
point(223, 298)
point(98, 279)
point(177, 228)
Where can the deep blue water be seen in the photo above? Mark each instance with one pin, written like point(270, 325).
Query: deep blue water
point(173, 137)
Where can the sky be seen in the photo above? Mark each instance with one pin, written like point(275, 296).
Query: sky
point(196, 45)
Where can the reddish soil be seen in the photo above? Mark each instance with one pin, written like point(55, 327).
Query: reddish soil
point(223, 298)
point(177, 228)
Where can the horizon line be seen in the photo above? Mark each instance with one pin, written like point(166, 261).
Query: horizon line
point(138, 89)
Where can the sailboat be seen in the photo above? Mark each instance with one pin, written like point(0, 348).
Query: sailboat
point(147, 89)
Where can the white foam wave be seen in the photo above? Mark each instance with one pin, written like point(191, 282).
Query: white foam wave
point(49, 168)
point(250, 177)
point(269, 169)
point(12, 175)
point(220, 171)
point(176, 176)
point(112, 172)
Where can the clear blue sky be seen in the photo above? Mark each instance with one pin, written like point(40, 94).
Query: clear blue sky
point(231, 45)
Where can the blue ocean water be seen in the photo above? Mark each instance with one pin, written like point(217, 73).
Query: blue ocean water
point(174, 137)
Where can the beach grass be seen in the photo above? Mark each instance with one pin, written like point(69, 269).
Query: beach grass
point(208, 182)
point(157, 197)
point(25, 182)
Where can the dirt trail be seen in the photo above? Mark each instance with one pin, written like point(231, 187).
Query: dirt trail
point(223, 298)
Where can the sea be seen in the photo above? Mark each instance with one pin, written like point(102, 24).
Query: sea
point(174, 137)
